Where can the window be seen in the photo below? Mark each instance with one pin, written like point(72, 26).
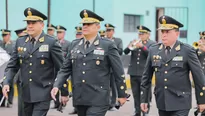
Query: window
point(131, 22)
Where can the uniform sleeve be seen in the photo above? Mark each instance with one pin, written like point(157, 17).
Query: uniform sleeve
point(145, 49)
point(64, 89)
point(56, 54)
point(126, 50)
point(118, 71)
point(146, 80)
point(64, 72)
point(12, 67)
point(198, 76)
point(120, 47)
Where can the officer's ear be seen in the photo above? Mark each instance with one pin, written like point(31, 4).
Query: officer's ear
point(98, 26)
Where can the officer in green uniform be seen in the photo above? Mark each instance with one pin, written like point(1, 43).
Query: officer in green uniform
point(51, 29)
point(78, 33)
point(37, 55)
point(7, 45)
point(110, 30)
point(64, 46)
point(20, 32)
point(89, 65)
point(139, 51)
point(172, 61)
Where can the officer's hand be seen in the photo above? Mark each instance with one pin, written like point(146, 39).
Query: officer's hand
point(64, 100)
point(5, 90)
point(122, 100)
point(54, 91)
point(201, 107)
point(144, 107)
point(139, 44)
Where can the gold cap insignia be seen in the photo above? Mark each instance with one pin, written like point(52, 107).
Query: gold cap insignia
point(85, 14)
point(107, 25)
point(58, 26)
point(164, 20)
point(29, 12)
point(140, 27)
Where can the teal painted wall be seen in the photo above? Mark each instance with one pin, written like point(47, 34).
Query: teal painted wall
point(66, 13)
point(3, 14)
point(16, 13)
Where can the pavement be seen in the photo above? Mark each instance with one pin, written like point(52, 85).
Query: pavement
point(126, 110)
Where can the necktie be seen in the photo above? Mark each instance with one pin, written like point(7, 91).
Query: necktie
point(87, 44)
point(32, 43)
point(168, 48)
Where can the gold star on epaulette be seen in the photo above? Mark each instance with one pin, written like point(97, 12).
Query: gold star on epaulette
point(177, 48)
point(41, 39)
point(4, 77)
point(96, 42)
point(81, 42)
point(27, 39)
point(160, 47)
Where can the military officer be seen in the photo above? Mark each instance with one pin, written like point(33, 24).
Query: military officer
point(171, 61)
point(51, 29)
point(20, 32)
point(89, 64)
point(110, 31)
point(7, 45)
point(64, 46)
point(118, 42)
point(37, 55)
point(139, 51)
point(79, 33)
point(61, 31)
point(102, 33)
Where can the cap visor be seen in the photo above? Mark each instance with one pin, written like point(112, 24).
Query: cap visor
point(164, 28)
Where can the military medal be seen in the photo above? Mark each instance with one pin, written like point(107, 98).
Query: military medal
point(42, 61)
point(72, 61)
point(19, 49)
point(155, 69)
point(98, 62)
